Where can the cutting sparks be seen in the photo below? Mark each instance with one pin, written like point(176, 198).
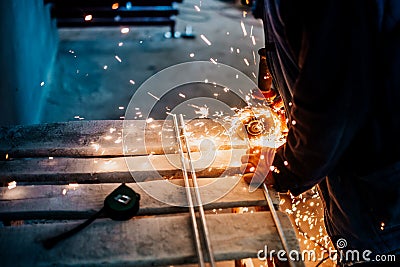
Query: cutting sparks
point(88, 17)
point(197, 8)
point(150, 94)
point(124, 30)
point(12, 185)
point(118, 59)
point(253, 39)
point(243, 29)
point(205, 39)
point(202, 111)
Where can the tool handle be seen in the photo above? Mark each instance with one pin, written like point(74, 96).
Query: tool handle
point(49, 243)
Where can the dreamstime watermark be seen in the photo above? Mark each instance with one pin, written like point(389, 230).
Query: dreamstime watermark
point(341, 254)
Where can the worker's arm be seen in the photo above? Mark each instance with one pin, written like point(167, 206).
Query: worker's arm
point(331, 93)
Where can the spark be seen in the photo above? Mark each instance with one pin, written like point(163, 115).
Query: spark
point(42, 84)
point(197, 8)
point(182, 95)
point(7, 156)
point(96, 147)
point(73, 185)
point(285, 163)
point(238, 50)
point(121, 107)
point(64, 192)
point(107, 137)
point(191, 55)
point(150, 94)
point(51, 158)
point(226, 89)
point(246, 61)
point(214, 61)
point(88, 17)
point(120, 44)
point(115, 6)
point(12, 185)
point(244, 14)
point(123, 117)
point(124, 30)
point(118, 58)
point(131, 81)
point(105, 67)
point(293, 122)
point(227, 33)
point(253, 39)
point(243, 28)
point(203, 111)
point(205, 39)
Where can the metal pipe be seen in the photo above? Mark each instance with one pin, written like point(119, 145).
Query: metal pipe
point(277, 222)
point(189, 194)
point(198, 197)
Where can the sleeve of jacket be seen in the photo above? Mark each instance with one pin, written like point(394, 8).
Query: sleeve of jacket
point(331, 94)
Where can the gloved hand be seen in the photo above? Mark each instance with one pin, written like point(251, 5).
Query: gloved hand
point(256, 164)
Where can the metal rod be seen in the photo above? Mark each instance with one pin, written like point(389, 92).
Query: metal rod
point(189, 194)
point(277, 222)
point(198, 197)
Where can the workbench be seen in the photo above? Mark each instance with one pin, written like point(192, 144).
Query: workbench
point(58, 174)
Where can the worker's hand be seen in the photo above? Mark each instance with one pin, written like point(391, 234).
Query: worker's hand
point(256, 165)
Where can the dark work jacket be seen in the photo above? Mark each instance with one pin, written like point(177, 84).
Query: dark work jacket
point(338, 62)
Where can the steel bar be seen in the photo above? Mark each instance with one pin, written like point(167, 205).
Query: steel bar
point(198, 197)
point(277, 222)
point(189, 194)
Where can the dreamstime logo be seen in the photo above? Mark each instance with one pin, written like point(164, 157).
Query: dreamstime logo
point(198, 90)
point(341, 243)
point(343, 255)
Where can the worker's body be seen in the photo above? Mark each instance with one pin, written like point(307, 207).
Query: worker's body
point(338, 63)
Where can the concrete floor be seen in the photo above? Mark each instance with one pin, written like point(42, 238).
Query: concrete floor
point(97, 71)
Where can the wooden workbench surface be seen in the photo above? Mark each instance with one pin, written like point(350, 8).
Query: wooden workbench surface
point(63, 172)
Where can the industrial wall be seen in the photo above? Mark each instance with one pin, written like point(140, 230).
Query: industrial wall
point(28, 45)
